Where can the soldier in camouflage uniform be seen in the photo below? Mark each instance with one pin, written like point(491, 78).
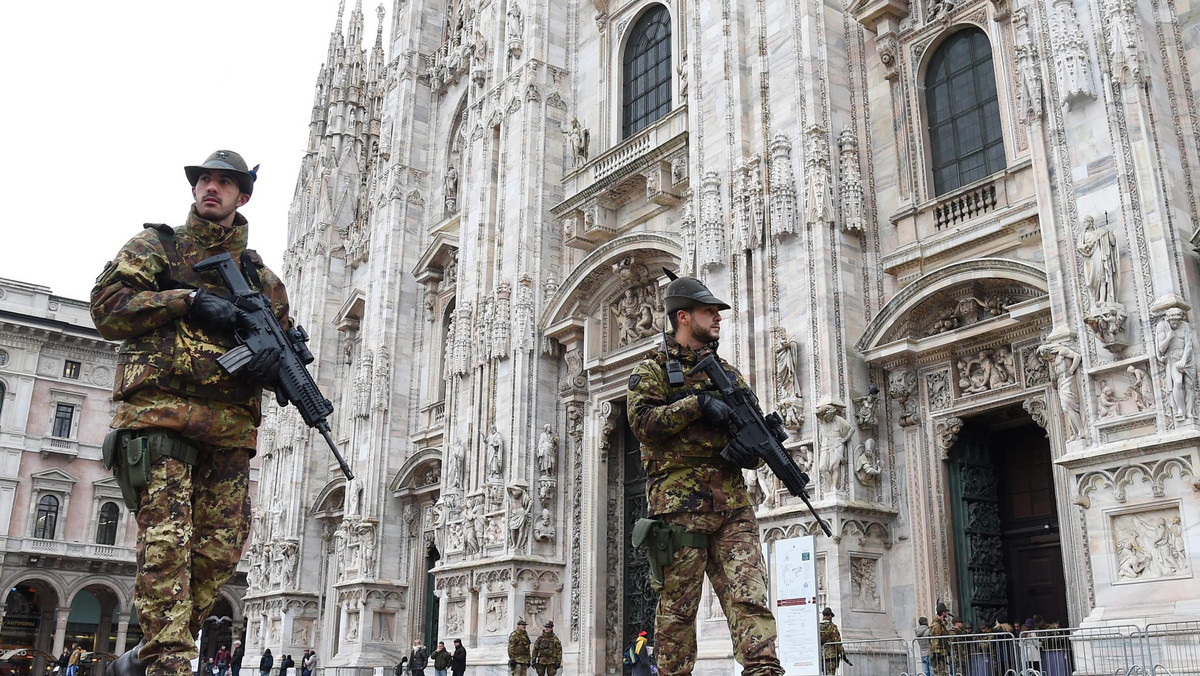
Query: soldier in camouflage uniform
point(547, 652)
point(689, 485)
point(831, 655)
point(518, 650)
point(939, 650)
point(199, 421)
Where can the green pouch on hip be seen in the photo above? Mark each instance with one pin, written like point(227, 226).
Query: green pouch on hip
point(137, 462)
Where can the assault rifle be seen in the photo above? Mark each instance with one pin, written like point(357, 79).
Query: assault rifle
point(753, 433)
point(258, 330)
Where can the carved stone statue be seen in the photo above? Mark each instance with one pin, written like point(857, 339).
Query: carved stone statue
point(835, 437)
point(866, 463)
point(1106, 401)
point(1063, 362)
point(791, 411)
point(543, 528)
point(495, 456)
point(514, 21)
point(866, 409)
point(1140, 389)
point(1173, 347)
point(1098, 246)
point(579, 137)
point(472, 524)
point(519, 508)
point(785, 366)
point(450, 188)
point(291, 560)
point(547, 451)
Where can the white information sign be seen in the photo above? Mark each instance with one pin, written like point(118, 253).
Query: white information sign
point(796, 611)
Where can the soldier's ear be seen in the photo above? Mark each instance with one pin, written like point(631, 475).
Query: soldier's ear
point(242, 199)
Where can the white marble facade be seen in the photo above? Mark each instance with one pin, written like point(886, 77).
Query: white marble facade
point(476, 253)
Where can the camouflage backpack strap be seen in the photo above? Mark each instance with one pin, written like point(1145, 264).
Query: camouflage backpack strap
point(169, 278)
point(251, 264)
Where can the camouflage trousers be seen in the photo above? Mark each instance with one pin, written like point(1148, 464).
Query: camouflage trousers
point(734, 565)
point(545, 669)
point(941, 666)
point(518, 669)
point(829, 665)
point(192, 525)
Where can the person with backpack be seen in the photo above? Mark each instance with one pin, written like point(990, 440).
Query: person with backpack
point(637, 655)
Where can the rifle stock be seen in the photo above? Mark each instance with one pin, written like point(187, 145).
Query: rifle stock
point(259, 329)
point(761, 435)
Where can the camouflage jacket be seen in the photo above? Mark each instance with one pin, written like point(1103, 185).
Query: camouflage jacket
point(830, 634)
point(518, 646)
point(937, 627)
point(547, 649)
point(682, 453)
point(167, 374)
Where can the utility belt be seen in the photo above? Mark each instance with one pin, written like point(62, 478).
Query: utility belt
point(130, 454)
point(662, 541)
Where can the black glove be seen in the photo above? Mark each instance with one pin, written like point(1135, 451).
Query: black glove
point(740, 456)
point(213, 312)
point(713, 409)
point(264, 366)
point(512, 664)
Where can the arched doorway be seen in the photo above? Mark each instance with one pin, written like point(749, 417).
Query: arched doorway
point(432, 556)
point(1007, 546)
point(29, 622)
point(217, 630)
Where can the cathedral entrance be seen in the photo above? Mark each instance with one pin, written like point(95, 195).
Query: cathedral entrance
point(640, 599)
point(430, 625)
point(1008, 553)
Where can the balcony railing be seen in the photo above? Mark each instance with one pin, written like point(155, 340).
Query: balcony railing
point(964, 206)
point(60, 446)
point(79, 550)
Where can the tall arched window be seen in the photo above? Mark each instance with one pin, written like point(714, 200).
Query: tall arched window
point(647, 91)
point(47, 518)
point(965, 139)
point(106, 527)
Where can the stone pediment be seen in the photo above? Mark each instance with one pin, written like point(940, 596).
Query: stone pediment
point(437, 257)
point(981, 295)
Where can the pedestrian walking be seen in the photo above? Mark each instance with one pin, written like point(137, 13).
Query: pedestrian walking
point(222, 660)
point(73, 660)
point(637, 655)
point(832, 651)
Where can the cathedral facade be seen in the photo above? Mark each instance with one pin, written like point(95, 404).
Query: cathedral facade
point(957, 236)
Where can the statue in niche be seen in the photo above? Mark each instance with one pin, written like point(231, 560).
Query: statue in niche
point(547, 451)
point(454, 474)
point(351, 627)
point(634, 315)
point(1098, 246)
point(866, 463)
point(836, 433)
point(495, 456)
point(1107, 402)
point(791, 411)
point(543, 528)
point(768, 484)
point(438, 523)
point(494, 614)
point(580, 138)
point(785, 366)
point(1173, 347)
point(366, 538)
point(866, 408)
point(1063, 362)
point(519, 507)
point(514, 21)
point(991, 370)
point(291, 560)
point(450, 188)
point(472, 524)
point(1140, 390)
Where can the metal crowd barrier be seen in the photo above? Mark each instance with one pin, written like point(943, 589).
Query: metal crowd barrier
point(1165, 649)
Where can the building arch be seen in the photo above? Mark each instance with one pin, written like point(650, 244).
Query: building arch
point(891, 333)
point(646, 58)
point(410, 471)
point(103, 587)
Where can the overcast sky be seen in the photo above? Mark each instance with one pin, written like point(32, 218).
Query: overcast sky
point(105, 102)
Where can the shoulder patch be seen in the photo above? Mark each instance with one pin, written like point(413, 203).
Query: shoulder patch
point(634, 380)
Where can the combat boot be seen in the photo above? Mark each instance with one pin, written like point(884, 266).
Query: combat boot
point(128, 663)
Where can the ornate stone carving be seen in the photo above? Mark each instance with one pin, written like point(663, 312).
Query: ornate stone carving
point(866, 409)
point(1150, 544)
point(1072, 65)
point(1063, 362)
point(990, 370)
point(836, 433)
point(514, 25)
point(496, 614)
point(1108, 323)
point(711, 245)
point(543, 526)
point(1036, 372)
point(495, 456)
point(481, 348)
point(945, 432)
point(864, 583)
point(523, 320)
point(519, 507)
point(850, 188)
point(818, 199)
point(455, 614)
point(786, 363)
point(1036, 408)
point(634, 313)
point(937, 386)
point(610, 415)
point(1173, 348)
point(547, 451)
point(902, 384)
point(462, 342)
point(450, 189)
point(783, 187)
point(1030, 90)
point(473, 523)
point(1107, 404)
point(501, 322)
point(1141, 391)
point(888, 48)
point(1127, 56)
point(580, 138)
point(866, 463)
point(748, 205)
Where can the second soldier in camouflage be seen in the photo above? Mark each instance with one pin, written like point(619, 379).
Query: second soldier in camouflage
point(682, 428)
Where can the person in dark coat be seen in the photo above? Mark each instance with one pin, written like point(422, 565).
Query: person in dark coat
point(286, 665)
point(265, 664)
point(441, 659)
point(641, 655)
point(235, 660)
point(418, 658)
point(458, 661)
